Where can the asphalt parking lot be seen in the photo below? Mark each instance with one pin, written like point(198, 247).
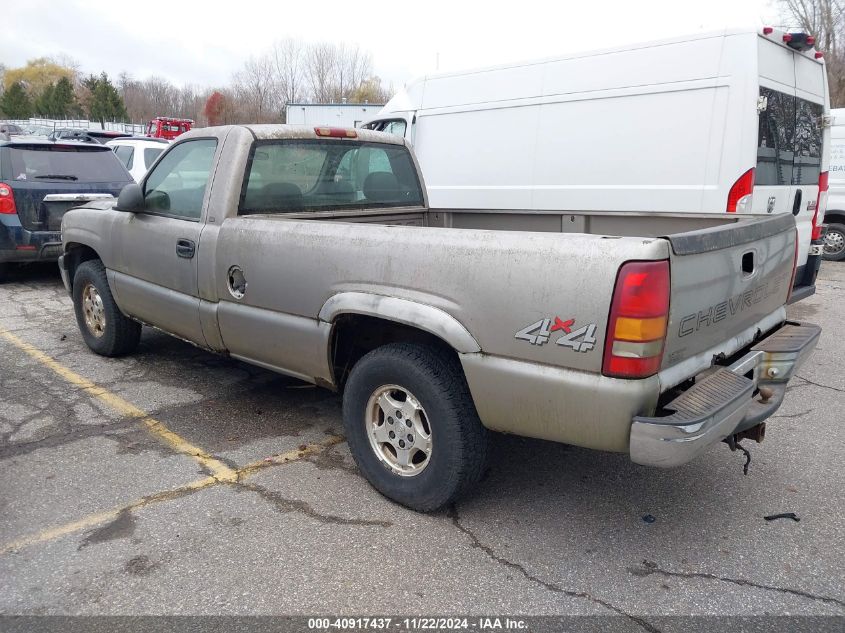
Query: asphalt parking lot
point(175, 481)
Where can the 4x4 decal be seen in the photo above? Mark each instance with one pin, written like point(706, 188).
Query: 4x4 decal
point(581, 340)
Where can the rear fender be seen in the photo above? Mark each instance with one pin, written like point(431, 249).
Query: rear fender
point(424, 317)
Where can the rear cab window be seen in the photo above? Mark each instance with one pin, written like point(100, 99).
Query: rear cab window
point(62, 163)
point(315, 174)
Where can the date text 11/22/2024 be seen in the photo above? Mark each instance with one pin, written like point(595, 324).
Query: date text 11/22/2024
point(418, 624)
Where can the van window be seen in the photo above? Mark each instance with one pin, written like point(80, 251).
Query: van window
point(789, 140)
point(808, 143)
point(394, 126)
point(299, 175)
point(775, 139)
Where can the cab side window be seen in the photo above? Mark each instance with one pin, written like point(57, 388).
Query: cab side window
point(176, 187)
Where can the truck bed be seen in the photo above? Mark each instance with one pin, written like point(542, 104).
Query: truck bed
point(585, 222)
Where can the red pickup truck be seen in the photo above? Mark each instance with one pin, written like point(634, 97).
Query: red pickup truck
point(168, 127)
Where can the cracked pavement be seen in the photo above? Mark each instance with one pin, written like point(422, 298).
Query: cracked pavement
point(126, 524)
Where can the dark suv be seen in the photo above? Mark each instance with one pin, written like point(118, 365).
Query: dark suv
point(39, 181)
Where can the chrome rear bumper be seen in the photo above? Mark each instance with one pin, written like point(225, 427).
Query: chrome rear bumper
point(725, 402)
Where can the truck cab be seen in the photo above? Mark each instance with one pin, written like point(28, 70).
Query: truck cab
point(168, 127)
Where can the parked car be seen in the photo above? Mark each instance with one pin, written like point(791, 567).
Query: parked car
point(138, 153)
point(578, 327)
point(168, 127)
point(37, 130)
point(88, 136)
point(10, 129)
point(834, 245)
point(39, 181)
point(727, 122)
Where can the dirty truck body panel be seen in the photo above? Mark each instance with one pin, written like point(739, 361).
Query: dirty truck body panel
point(289, 232)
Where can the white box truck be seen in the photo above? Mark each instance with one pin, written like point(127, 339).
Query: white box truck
point(834, 245)
point(727, 122)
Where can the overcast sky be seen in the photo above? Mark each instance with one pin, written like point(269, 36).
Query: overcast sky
point(204, 41)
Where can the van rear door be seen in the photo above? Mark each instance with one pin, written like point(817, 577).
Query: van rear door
point(791, 104)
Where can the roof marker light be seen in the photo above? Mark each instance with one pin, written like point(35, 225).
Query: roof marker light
point(787, 37)
point(335, 132)
point(819, 55)
point(767, 30)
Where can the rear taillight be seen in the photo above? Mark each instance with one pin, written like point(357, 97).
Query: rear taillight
point(636, 329)
point(7, 199)
point(739, 197)
point(821, 206)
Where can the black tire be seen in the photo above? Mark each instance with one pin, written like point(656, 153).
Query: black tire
point(837, 230)
point(117, 334)
point(4, 271)
point(459, 442)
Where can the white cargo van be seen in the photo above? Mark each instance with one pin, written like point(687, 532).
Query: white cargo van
point(728, 122)
point(834, 245)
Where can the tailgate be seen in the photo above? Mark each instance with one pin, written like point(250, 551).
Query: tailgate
point(725, 281)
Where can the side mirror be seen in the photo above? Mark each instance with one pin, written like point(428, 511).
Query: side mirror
point(131, 198)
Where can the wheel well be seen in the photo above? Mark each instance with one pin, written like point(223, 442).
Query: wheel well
point(354, 335)
point(75, 254)
point(834, 216)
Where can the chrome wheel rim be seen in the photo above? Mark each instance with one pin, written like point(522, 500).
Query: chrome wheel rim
point(93, 310)
point(834, 242)
point(398, 430)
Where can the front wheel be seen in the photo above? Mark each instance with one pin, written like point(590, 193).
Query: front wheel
point(412, 426)
point(834, 243)
point(104, 327)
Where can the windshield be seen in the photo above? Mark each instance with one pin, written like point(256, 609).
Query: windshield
point(297, 175)
point(62, 163)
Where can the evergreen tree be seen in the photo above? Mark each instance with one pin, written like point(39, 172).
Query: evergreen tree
point(15, 103)
point(45, 104)
point(106, 104)
point(64, 101)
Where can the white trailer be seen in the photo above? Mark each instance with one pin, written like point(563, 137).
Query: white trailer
point(331, 114)
point(709, 123)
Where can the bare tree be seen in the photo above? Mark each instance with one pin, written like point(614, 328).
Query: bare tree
point(825, 19)
point(255, 85)
point(289, 61)
point(321, 61)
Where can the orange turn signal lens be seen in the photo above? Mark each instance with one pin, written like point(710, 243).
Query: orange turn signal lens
point(629, 329)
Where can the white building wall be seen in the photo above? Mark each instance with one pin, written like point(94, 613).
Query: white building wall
point(331, 114)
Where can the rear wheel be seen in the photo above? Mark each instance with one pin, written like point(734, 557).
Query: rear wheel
point(4, 271)
point(412, 426)
point(834, 243)
point(104, 327)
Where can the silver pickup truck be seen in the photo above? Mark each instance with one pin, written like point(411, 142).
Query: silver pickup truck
point(312, 252)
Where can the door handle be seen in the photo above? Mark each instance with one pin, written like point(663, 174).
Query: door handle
point(796, 206)
point(185, 248)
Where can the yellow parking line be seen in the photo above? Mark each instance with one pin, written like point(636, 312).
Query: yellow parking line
point(94, 520)
point(217, 468)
